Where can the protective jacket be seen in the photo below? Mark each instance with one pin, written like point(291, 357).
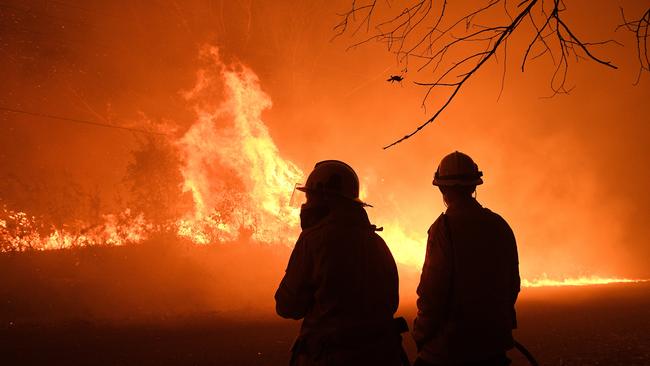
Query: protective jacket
point(342, 279)
point(468, 287)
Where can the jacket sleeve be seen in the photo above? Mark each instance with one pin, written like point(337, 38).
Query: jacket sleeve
point(392, 282)
point(435, 284)
point(515, 280)
point(294, 295)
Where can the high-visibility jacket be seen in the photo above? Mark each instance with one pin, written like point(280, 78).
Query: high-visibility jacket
point(342, 280)
point(468, 287)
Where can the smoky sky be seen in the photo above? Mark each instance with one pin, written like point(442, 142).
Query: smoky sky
point(569, 173)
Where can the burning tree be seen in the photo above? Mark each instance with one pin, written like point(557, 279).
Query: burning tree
point(155, 181)
point(454, 44)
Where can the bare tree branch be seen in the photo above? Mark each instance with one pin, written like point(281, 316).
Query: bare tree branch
point(454, 53)
point(639, 28)
point(484, 56)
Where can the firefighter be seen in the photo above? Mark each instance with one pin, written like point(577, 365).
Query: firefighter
point(470, 277)
point(341, 278)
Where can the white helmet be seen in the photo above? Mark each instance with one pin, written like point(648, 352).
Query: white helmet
point(457, 169)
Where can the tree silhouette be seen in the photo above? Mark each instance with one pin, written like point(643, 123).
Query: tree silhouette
point(155, 181)
point(455, 48)
point(639, 28)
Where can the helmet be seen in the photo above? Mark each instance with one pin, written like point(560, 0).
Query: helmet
point(333, 177)
point(457, 169)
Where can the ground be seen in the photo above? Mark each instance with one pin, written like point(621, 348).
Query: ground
point(597, 325)
point(609, 325)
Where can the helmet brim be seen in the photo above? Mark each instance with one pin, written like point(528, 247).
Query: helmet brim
point(357, 200)
point(456, 182)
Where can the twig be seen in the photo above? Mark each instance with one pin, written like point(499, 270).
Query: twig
point(408, 37)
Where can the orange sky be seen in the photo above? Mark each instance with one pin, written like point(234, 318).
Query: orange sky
point(568, 173)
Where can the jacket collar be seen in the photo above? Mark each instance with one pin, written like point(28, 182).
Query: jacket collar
point(464, 205)
point(352, 214)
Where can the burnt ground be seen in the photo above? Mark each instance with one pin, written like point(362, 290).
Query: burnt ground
point(603, 325)
point(54, 315)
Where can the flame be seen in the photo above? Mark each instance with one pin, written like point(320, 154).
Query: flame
point(408, 249)
point(21, 232)
point(544, 281)
point(239, 184)
point(232, 166)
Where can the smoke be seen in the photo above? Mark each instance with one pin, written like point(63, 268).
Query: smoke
point(566, 173)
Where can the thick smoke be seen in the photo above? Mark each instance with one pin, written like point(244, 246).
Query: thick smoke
point(568, 173)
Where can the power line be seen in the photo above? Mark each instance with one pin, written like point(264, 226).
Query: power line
point(36, 13)
point(80, 121)
point(74, 6)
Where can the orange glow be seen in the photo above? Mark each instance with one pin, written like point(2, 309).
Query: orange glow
point(231, 137)
point(21, 232)
point(272, 94)
point(230, 164)
point(544, 281)
point(408, 248)
point(238, 181)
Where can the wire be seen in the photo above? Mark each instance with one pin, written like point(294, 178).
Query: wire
point(80, 121)
point(32, 12)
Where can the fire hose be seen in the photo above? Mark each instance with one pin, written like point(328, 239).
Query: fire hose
point(520, 347)
point(524, 351)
